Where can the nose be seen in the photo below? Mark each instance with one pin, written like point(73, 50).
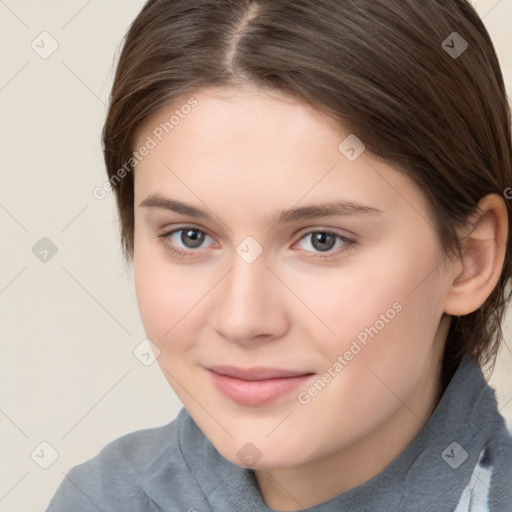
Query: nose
point(251, 303)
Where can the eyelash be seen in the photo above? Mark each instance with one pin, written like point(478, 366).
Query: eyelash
point(348, 242)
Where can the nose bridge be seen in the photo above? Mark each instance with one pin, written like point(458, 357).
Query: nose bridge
point(247, 285)
point(247, 302)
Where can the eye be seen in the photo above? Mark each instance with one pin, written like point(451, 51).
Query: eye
point(325, 241)
point(184, 241)
point(189, 237)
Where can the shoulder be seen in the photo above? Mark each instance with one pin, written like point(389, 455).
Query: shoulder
point(490, 487)
point(499, 467)
point(114, 479)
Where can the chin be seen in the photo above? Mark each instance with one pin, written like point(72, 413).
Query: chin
point(261, 455)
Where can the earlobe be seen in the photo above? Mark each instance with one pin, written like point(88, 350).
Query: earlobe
point(483, 253)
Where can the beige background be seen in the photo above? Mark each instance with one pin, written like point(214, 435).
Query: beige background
point(69, 326)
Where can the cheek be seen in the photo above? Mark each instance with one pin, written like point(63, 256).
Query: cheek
point(344, 303)
point(371, 367)
point(161, 295)
point(381, 315)
point(172, 299)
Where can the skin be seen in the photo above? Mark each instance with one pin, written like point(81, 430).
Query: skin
point(244, 155)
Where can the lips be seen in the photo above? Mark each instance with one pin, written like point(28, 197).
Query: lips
point(259, 373)
point(256, 386)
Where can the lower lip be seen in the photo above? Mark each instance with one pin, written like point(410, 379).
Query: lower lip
point(256, 392)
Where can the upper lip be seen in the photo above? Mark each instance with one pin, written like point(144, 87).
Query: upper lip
point(256, 373)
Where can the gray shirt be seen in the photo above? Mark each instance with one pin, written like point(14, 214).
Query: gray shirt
point(461, 461)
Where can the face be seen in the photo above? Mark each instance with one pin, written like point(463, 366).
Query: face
point(324, 317)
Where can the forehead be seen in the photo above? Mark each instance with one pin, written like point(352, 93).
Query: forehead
point(249, 141)
point(242, 111)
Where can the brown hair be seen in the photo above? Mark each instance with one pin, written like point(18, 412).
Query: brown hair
point(388, 70)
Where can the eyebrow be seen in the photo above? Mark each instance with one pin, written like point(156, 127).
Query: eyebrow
point(334, 208)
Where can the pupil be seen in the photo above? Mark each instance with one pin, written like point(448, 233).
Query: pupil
point(195, 235)
point(323, 241)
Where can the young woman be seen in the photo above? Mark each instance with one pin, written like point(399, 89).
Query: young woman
point(313, 196)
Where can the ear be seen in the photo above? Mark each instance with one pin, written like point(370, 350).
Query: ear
point(484, 243)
